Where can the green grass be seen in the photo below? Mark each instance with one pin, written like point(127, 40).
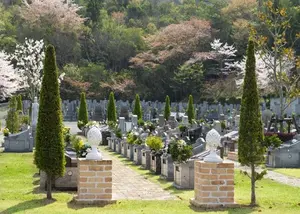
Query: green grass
point(289, 172)
point(19, 193)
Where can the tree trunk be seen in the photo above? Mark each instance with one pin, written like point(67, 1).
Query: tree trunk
point(253, 196)
point(49, 186)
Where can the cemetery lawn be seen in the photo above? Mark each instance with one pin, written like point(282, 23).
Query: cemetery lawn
point(19, 193)
point(289, 172)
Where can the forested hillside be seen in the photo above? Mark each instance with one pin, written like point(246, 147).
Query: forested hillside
point(150, 47)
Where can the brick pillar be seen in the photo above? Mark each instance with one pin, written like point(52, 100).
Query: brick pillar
point(94, 181)
point(214, 185)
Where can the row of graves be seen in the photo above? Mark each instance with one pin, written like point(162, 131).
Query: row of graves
point(23, 139)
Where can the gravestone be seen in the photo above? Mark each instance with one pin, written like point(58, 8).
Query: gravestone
point(34, 118)
point(98, 113)
point(134, 120)
point(161, 120)
point(124, 112)
point(122, 124)
point(185, 120)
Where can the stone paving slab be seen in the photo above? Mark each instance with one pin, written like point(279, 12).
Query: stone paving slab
point(129, 184)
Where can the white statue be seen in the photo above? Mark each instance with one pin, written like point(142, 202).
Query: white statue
point(34, 112)
point(213, 140)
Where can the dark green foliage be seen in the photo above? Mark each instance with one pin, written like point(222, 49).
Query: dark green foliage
point(272, 141)
point(83, 113)
point(111, 108)
point(180, 151)
point(12, 120)
point(137, 107)
point(191, 110)
point(49, 150)
point(141, 122)
point(251, 151)
point(19, 104)
point(167, 111)
point(250, 130)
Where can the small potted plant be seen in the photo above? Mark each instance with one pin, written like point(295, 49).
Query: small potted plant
point(5, 132)
point(155, 144)
point(181, 152)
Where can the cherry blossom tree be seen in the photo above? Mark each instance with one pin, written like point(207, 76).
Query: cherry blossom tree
point(264, 73)
point(60, 14)
point(224, 54)
point(28, 58)
point(9, 79)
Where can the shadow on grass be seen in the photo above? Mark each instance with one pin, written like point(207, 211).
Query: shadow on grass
point(75, 206)
point(243, 209)
point(27, 205)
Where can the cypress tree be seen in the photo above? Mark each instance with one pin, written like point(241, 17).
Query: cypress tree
point(137, 107)
point(49, 150)
point(12, 120)
point(20, 104)
point(191, 110)
point(111, 108)
point(251, 152)
point(167, 112)
point(83, 113)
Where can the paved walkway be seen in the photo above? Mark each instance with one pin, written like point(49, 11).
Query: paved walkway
point(275, 176)
point(127, 183)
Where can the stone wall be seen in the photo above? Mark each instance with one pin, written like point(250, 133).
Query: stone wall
point(214, 184)
point(94, 180)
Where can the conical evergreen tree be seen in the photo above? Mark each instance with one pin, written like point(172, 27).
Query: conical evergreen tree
point(190, 109)
point(137, 107)
point(83, 113)
point(49, 150)
point(250, 152)
point(167, 111)
point(20, 104)
point(111, 108)
point(12, 120)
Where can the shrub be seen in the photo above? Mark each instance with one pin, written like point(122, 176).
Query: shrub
point(155, 143)
point(284, 137)
point(25, 120)
point(183, 128)
point(180, 151)
point(191, 110)
point(67, 135)
point(82, 112)
point(223, 125)
point(111, 108)
point(167, 111)
point(5, 132)
point(19, 103)
point(80, 124)
point(12, 120)
point(131, 138)
point(137, 107)
point(141, 122)
point(149, 125)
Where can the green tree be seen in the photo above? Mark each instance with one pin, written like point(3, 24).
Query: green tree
point(83, 113)
point(251, 152)
point(190, 109)
point(19, 104)
point(12, 120)
point(49, 150)
point(111, 108)
point(276, 44)
point(167, 111)
point(137, 107)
